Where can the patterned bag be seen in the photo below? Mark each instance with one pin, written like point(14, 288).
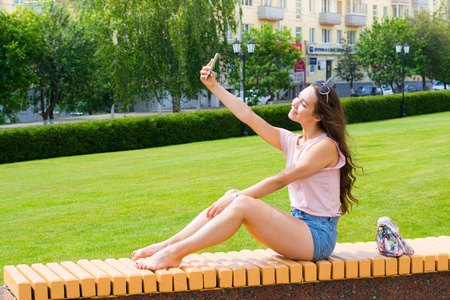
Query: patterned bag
point(389, 241)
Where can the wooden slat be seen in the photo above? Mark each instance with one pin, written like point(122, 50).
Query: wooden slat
point(337, 268)
point(253, 274)
point(38, 284)
point(441, 257)
point(267, 270)
point(295, 269)
point(133, 278)
point(71, 283)
point(118, 280)
point(239, 272)
point(209, 273)
point(429, 259)
point(194, 276)
point(369, 264)
point(179, 279)
point(18, 284)
point(147, 276)
point(54, 282)
point(87, 281)
point(281, 270)
point(224, 275)
point(102, 279)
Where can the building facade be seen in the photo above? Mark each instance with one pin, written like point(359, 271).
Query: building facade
point(321, 24)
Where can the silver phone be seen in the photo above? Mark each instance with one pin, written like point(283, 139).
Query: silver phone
point(213, 64)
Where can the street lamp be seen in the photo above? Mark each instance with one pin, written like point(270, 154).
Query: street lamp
point(237, 50)
point(398, 49)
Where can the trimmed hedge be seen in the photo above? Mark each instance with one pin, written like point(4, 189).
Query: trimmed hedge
point(29, 143)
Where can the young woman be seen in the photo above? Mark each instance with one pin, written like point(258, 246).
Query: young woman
point(319, 174)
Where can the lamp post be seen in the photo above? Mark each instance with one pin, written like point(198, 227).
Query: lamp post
point(398, 49)
point(243, 56)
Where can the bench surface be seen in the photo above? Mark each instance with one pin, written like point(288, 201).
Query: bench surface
point(208, 271)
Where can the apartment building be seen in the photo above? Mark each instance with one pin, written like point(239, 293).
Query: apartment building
point(321, 24)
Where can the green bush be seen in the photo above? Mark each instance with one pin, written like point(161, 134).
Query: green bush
point(29, 143)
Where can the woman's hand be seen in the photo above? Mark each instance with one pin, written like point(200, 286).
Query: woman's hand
point(206, 72)
point(220, 204)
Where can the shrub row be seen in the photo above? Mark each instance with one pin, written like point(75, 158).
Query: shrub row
point(29, 143)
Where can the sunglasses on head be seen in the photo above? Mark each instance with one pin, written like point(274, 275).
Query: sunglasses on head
point(323, 89)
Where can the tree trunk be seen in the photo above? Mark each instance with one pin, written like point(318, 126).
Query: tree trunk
point(176, 102)
point(49, 111)
point(424, 83)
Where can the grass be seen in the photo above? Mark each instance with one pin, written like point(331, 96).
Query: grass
point(107, 205)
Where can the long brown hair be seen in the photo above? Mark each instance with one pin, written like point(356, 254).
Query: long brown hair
point(333, 122)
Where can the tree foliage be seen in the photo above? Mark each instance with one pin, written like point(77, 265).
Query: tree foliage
point(158, 47)
point(376, 51)
point(347, 67)
point(20, 46)
point(269, 69)
point(433, 42)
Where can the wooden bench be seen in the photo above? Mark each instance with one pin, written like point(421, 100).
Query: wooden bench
point(354, 270)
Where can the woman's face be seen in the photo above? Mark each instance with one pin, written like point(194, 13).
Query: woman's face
point(303, 106)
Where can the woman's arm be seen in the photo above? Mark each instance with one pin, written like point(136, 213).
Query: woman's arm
point(241, 110)
point(321, 155)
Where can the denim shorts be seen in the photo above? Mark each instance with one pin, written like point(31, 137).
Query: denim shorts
point(323, 231)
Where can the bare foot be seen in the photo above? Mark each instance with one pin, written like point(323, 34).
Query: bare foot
point(148, 251)
point(165, 258)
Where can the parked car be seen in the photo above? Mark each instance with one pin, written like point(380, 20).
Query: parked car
point(366, 91)
point(437, 86)
point(386, 90)
point(411, 88)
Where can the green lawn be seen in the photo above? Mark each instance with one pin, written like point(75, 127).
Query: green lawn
point(107, 205)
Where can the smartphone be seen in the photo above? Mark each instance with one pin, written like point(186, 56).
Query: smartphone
point(213, 64)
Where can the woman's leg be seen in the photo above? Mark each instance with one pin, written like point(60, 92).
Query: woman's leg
point(186, 232)
point(274, 228)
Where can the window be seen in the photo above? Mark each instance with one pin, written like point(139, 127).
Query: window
point(326, 6)
point(374, 10)
point(19, 2)
point(229, 34)
point(339, 7)
point(311, 35)
point(266, 2)
point(246, 27)
point(312, 69)
point(339, 36)
point(400, 10)
point(326, 36)
point(385, 11)
point(311, 5)
point(246, 2)
point(282, 3)
point(283, 28)
point(352, 37)
point(355, 7)
point(298, 32)
point(298, 9)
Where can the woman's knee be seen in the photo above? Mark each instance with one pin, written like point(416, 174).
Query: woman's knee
point(244, 202)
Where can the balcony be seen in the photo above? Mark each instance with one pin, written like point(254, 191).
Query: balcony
point(270, 13)
point(419, 2)
point(355, 20)
point(329, 18)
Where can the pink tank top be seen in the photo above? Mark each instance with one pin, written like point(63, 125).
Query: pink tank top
point(318, 194)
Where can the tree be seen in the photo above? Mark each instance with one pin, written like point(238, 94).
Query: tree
point(20, 47)
point(67, 71)
point(158, 47)
point(347, 68)
point(269, 69)
point(433, 44)
point(376, 51)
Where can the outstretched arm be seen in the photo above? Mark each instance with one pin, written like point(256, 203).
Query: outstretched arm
point(321, 155)
point(241, 110)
